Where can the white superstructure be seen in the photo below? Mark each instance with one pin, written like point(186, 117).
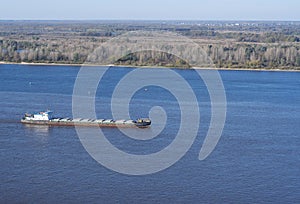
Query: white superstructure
point(43, 116)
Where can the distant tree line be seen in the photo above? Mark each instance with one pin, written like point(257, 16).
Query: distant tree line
point(50, 52)
point(223, 55)
point(255, 55)
point(228, 44)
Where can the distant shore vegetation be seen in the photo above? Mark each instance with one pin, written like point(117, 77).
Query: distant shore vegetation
point(228, 44)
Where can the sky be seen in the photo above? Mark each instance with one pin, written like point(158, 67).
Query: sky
point(286, 10)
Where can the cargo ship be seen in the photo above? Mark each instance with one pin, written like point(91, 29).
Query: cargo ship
point(45, 118)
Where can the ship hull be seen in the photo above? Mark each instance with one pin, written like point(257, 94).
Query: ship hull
point(84, 124)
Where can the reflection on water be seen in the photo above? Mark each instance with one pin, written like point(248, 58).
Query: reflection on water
point(38, 130)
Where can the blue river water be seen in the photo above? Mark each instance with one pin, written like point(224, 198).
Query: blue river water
point(257, 159)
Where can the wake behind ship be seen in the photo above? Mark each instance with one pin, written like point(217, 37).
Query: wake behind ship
point(45, 118)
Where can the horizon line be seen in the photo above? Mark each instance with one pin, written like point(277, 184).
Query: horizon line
point(168, 20)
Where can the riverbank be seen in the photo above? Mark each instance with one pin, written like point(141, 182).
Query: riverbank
point(39, 64)
point(131, 66)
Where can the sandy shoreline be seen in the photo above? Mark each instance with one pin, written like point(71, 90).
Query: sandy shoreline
point(128, 66)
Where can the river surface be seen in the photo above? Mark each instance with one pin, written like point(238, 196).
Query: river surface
point(257, 159)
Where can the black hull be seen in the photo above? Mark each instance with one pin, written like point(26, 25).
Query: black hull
point(143, 124)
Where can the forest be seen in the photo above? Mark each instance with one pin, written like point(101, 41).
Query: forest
point(268, 45)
